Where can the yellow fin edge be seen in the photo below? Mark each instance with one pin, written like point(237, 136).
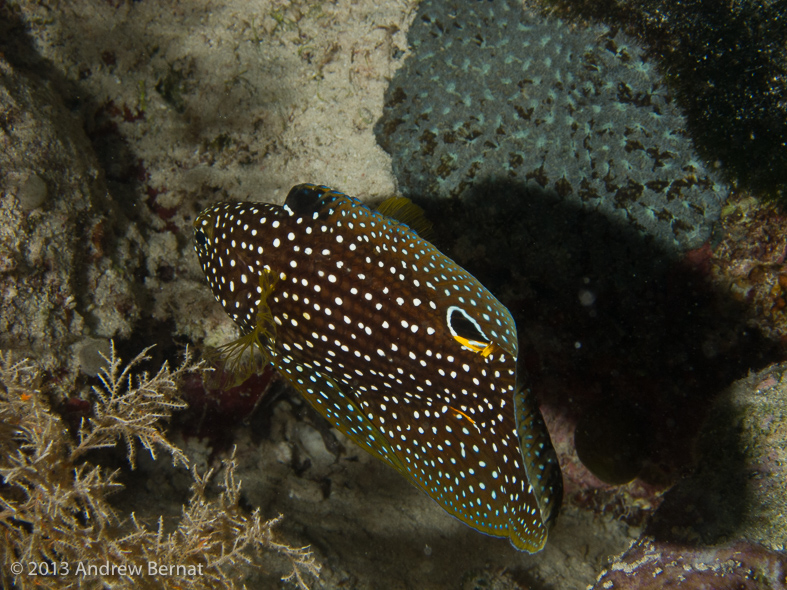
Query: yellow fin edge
point(248, 355)
point(404, 211)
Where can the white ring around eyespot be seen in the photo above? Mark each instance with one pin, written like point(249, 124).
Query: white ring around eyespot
point(454, 308)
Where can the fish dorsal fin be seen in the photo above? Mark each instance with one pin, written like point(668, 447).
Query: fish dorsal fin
point(475, 318)
point(404, 211)
point(479, 323)
point(466, 328)
point(308, 199)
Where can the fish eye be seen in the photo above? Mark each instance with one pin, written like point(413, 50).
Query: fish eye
point(200, 237)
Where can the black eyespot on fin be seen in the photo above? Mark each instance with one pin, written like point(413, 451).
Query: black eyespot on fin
point(305, 199)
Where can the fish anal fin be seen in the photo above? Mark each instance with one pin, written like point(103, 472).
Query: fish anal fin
point(338, 407)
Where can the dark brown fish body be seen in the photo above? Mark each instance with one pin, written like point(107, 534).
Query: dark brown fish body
point(396, 345)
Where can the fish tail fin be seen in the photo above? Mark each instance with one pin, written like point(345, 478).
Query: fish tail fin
point(539, 456)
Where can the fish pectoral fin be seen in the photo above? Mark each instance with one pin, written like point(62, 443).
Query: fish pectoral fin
point(248, 355)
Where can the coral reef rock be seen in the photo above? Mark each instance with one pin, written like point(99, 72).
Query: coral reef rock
point(740, 486)
point(55, 279)
point(722, 527)
point(494, 92)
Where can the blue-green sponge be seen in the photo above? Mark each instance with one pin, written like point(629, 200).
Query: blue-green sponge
point(494, 92)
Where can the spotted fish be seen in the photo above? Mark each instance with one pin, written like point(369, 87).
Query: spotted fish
point(392, 342)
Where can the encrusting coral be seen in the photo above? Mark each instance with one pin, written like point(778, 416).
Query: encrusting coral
point(58, 527)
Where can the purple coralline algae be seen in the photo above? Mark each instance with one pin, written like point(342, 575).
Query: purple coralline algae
point(649, 565)
point(495, 92)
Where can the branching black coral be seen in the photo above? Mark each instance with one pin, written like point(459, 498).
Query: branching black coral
point(56, 526)
point(220, 535)
point(133, 407)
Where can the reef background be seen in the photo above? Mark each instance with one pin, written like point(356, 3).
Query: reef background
point(120, 120)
